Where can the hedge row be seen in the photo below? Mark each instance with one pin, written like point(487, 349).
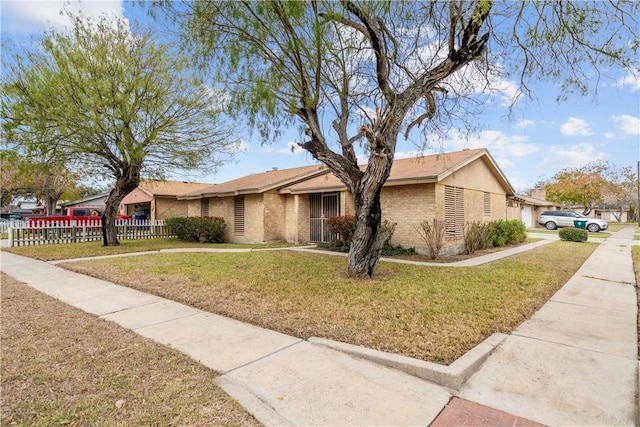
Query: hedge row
point(196, 229)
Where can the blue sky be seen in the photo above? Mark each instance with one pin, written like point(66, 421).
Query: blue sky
point(542, 136)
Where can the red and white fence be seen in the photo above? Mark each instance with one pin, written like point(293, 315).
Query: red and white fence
point(46, 233)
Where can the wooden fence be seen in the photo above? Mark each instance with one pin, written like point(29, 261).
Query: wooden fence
point(55, 232)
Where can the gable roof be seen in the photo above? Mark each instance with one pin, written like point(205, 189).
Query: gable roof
point(417, 170)
point(257, 183)
point(169, 188)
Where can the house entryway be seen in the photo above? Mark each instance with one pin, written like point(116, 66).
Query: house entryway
point(322, 206)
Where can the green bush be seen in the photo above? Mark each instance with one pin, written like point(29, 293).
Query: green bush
point(207, 229)
point(391, 250)
point(572, 234)
point(502, 232)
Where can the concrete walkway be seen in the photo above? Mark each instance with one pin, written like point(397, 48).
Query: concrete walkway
point(573, 363)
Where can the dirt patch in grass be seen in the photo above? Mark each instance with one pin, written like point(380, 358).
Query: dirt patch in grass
point(61, 366)
point(430, 313)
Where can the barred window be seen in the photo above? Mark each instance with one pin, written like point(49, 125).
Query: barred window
point(238, 215)
point(454, 212)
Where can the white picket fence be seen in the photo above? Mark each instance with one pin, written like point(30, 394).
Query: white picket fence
point(55, 232)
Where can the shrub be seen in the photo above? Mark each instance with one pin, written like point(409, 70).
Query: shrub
point(502, 232)
point(475, 236)
point(344, 226)
point(572, 234)
point(388, 228)
point(207, 229)
point(391, 250)
point(433, 235)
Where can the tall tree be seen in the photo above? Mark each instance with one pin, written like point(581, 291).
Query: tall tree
point(585, 186)
point(365, 72)
point(114, 104)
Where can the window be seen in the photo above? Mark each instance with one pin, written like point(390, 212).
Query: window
point(487, 204)
point(453, 212)
point(204, 208)
point(238, 215)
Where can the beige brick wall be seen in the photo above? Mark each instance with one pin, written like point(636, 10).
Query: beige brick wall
point(193, 207)
point(275, 217)
point(292, 202)
point(169, 208)
point(347, 206)
point(304, 212)
point(223, 207)
point(408, 206)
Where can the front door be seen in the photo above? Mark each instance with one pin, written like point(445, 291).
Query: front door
point(322, 206)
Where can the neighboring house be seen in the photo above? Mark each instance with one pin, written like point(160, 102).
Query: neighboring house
point(529, 208)
point(98, 200)
point(611, 213)
point(293, 204)
point(158, 199)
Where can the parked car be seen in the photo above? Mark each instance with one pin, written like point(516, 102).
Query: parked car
point(554, 219)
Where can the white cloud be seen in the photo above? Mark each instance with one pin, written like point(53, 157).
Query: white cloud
point(241, 146)
point(575, 127)
point(560, 157)
point(609, 135)
point(630, 125)
point(27, 17)
point(292, 149)
point(525, 123)
point(632, 79)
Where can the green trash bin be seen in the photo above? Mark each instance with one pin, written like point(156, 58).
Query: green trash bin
point(579, 223)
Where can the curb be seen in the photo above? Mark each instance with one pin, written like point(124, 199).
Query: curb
point(452, 376)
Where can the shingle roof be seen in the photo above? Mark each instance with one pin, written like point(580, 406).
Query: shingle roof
point(258, 183)
point(431, 168)
point(170, 188)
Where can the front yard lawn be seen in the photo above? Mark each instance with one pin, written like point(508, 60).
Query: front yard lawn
point(61, 366)
point(431, 313)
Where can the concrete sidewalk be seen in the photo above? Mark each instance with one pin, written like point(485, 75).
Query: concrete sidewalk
point(573, 363)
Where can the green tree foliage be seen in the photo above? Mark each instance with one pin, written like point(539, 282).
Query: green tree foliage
point(588, 186)
point(30, 176)
point(364, 72)
point(114, 104)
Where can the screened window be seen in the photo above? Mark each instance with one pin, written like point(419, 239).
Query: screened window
point(238, 215)
point(454, 212)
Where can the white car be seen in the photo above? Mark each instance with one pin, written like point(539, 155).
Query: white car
point(554, 219)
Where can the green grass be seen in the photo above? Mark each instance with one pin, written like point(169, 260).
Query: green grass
point(431, 313)
point(91, 249)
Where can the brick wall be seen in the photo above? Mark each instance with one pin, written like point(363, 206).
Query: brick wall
point(275, 217)
point(223, 207)
point(408, 206)
point(193, 207)
point(170, 208)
